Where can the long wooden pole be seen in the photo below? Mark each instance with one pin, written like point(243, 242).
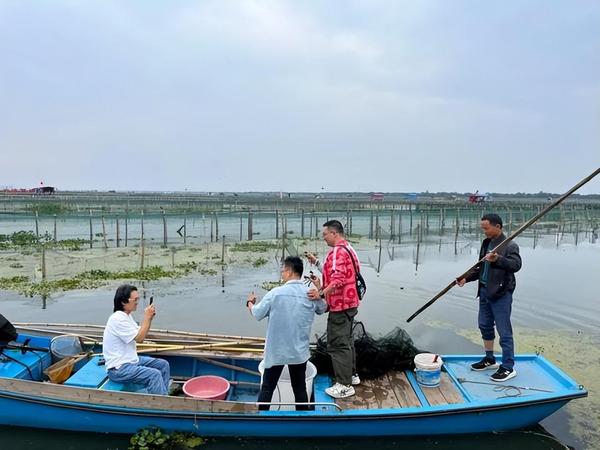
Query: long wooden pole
point(506, 241)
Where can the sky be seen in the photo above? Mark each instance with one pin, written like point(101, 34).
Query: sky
point(323, 95)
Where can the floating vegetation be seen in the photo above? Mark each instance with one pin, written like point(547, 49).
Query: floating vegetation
point(254, 246)
point(194, 266)
point(48, 208)
point(156, 439)
point(268, 285)
point(28, 239)
point(91, 279)
point(15, 266)
point(259, 262)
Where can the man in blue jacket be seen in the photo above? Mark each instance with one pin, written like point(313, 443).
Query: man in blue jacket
point(496, 286)
point(291, 314)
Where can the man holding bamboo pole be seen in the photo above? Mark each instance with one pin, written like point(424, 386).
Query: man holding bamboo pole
point(496, 285)
point(123, 365)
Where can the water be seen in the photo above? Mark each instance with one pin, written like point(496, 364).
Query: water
point(555, 311)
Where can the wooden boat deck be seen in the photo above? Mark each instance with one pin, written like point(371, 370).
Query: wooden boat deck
point(394, 390)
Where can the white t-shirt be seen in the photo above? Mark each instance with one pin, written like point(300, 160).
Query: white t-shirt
point(119, 340)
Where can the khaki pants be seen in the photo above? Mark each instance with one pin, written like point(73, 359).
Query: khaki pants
point(340, 344)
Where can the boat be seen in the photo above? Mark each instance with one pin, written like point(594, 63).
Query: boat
point(392, 405)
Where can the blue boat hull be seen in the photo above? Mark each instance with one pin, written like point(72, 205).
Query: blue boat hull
point(481, 407)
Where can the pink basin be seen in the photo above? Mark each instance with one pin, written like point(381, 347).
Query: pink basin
point(207, 387)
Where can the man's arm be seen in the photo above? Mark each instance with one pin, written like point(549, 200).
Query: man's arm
point(511, 262)
point(149, 314)
point(262, 309)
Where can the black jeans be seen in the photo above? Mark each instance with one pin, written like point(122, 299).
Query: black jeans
point(297, 377)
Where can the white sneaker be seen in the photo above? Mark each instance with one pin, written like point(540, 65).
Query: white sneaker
point(340, 391)
point(355, 380)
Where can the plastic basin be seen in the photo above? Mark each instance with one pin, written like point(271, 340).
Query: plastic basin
point(207, 387)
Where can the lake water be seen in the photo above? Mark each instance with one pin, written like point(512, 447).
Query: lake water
point(556, 311)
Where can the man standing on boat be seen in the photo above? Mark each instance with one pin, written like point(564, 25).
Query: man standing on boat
point(123, 364)
point(496, 286)
point(291, 315)
point(339, 289)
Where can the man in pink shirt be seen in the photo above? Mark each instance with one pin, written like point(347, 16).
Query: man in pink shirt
point(339, 289)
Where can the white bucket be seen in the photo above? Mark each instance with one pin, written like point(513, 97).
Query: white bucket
point(283, 392)
point(427, 370)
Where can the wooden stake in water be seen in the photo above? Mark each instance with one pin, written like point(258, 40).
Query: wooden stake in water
point(142, 250)
point(216, 227)
point(456, 228)
point(418, 246)
point(55, 228)
point(91, 231)
point(164, 219)
point(223, 265)
point(185, 229)
point(126, 227)
point(43, 262)
point(104, 233)
point(37, 225)
point(302, 223)
point(118, 234)
point(250, 232)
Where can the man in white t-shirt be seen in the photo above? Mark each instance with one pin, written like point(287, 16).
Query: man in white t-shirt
point(123, 364)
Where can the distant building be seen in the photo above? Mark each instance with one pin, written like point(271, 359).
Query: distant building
point(377, 196)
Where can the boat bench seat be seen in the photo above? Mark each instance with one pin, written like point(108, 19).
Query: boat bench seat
point(91, 375)
point(124, 387)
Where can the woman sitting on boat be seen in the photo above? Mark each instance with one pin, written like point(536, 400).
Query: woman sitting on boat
point(123, 365)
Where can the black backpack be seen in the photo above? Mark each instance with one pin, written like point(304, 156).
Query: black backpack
point(7, 330)
point(361, 286)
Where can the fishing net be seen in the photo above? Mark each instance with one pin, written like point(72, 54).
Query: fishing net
point(65, 346)
point(60, 371)
point(374, 357)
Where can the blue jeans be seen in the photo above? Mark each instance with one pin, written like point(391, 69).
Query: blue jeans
point(497, 312)
point(153, 373)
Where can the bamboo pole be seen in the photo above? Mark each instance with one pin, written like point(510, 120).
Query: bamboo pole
point(506, 241)
point(222, 346)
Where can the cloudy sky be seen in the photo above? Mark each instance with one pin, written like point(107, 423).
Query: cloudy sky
point(295, 95)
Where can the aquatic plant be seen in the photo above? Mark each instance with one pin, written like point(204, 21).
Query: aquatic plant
point(48, 208)
point(156, 439)
point(268, 285)
point(254, 246)
point(91, 279)
point(259, 262)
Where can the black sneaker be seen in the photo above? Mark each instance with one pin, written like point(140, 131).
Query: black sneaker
point(503, 374)
point(485, 364)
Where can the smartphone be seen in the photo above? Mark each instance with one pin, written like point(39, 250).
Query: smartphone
point(151, 300)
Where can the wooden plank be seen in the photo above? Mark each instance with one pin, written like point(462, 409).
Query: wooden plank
point(389, 391)
point(405, 394)
point(363, 399)
point(449, 390)
point(148, 402)
point(444, 394)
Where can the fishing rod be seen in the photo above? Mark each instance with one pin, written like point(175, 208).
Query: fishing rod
point(505, 242)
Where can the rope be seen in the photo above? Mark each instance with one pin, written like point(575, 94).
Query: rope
point(507, 389)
